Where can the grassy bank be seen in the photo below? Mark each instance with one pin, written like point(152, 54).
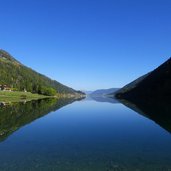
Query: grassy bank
point(16, 96)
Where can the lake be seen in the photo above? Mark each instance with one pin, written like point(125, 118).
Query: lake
point(84, 135)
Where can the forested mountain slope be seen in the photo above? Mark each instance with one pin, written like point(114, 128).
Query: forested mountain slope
point(19, 77)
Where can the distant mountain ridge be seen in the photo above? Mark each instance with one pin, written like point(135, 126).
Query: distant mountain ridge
point(156, 84)
point(19, 77)
point(104, 92)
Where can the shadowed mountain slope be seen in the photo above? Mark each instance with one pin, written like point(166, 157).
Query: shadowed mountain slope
point(156, 84)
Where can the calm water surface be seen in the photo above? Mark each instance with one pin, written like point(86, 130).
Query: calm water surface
point(82, 136)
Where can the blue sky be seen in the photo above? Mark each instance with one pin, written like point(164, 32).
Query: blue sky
point(87, 44)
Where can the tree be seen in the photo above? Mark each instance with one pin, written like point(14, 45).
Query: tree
point(48, 91)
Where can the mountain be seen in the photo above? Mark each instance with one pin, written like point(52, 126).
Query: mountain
point(131, 85)
point(156, 84)
point(103, 92)
point(19, 77)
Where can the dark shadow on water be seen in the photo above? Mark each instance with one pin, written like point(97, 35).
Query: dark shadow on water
point(158, 110)
point(15, 115)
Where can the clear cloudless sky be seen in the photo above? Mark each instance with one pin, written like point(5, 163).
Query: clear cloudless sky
point(87, 44)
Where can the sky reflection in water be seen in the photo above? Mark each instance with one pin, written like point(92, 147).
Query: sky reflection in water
point(87, 136)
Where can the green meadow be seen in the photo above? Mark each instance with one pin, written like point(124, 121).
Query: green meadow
point(16, 96)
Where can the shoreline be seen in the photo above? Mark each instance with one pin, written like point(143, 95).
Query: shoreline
point(19, 96)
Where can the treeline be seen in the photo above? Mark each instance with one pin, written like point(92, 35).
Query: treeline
point(21, 78)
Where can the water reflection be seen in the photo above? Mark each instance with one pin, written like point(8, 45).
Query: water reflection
point(103, 99)
point(15, 115)
point(84, 136)
point(157, 110)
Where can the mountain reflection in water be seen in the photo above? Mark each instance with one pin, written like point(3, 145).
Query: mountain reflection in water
point(86, 135)
point(15, 115)
point(158, 110)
